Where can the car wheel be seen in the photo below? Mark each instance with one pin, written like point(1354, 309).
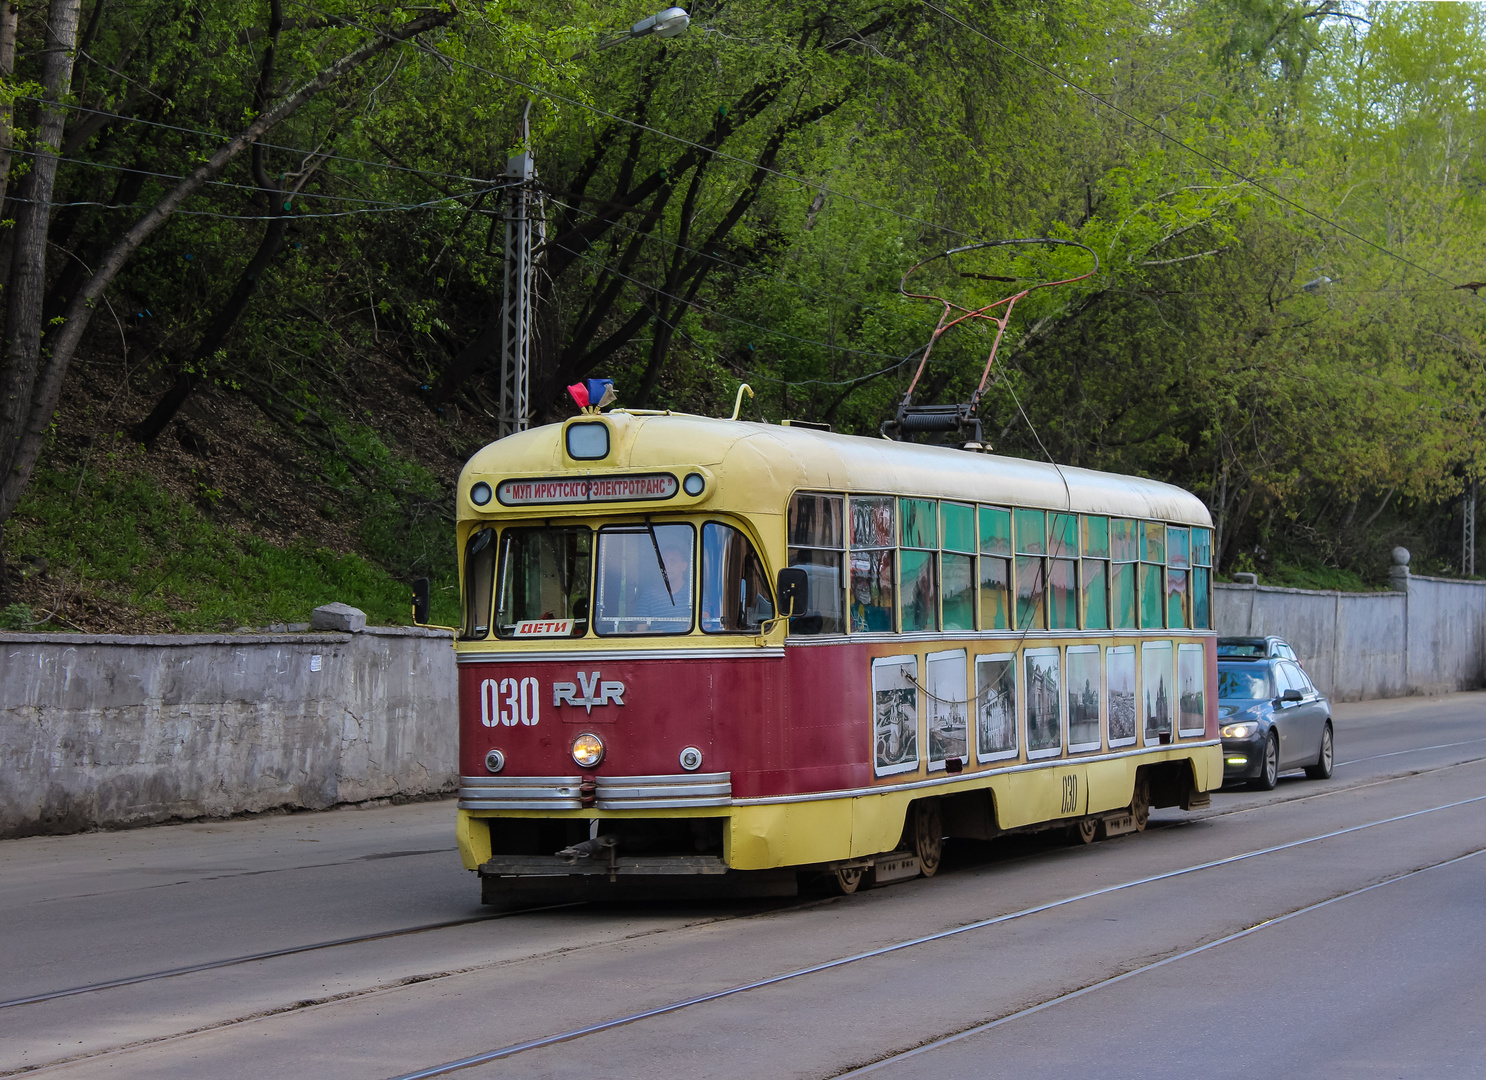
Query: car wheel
point(1269, 772)
point(1321, 770)
point(1087, 829)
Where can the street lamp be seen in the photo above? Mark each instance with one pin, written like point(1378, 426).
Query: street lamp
point(523, 227)
point(663, 24)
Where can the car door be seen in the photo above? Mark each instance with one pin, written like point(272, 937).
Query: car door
point(1300, 738)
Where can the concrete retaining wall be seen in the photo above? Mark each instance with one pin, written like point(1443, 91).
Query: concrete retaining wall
point(1428, 636)
point(108, 731)
point(112, 730)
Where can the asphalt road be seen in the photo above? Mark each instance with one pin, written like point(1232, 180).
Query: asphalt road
point(1330, 928)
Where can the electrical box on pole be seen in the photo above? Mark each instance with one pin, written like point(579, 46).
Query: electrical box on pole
point(523, 225)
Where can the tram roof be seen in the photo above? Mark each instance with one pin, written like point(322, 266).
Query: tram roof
point(758, 465)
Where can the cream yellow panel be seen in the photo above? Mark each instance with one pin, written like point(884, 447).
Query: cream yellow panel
point(763, 837)
point(877, 823)
point(473, 836)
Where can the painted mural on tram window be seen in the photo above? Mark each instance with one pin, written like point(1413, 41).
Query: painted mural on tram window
point(1044, 702)
point(1191, 669)
point(1083, 697)
point(1155, 688)
point(995, 707)
point(895, 714)
point(1119, 667)
point(949, 731)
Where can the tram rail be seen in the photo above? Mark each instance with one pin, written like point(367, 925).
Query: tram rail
point(574, 1034)
point(1102, 984)
point(446, 924)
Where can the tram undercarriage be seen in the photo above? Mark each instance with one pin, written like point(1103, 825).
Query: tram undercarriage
point(617, 858)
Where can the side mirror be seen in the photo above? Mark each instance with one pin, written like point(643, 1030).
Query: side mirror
point(793, 587)
point(1292, 695)
point(420, 601)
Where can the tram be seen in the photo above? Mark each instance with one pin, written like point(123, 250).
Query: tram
point(698, 651)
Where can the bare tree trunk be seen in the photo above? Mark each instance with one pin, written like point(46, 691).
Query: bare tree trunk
point(28, 271)
point(27, 417)
point(10, 16)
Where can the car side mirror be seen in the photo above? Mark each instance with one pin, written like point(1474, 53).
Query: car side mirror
point(793, 586)
point(1292, 695)
point(420, 601)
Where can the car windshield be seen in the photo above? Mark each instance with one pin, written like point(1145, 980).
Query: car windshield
point(1248, 682)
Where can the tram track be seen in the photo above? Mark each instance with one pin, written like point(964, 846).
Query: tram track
point(357, 939)
point(574, 1034)
point(300, 1005)
point(1083, 991)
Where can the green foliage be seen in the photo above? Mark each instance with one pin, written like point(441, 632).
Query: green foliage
point(138, 547)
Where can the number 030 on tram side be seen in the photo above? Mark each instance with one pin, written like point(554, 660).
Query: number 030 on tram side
point(700, 651)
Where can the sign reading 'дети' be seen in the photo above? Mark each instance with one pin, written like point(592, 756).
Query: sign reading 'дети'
point(587, 490)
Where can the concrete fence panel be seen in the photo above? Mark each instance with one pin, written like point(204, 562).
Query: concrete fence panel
point(114, 730)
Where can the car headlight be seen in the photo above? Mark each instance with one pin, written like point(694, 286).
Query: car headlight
point(1239, 731)
point(588, 750)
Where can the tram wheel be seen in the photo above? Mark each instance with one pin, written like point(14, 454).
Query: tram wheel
point(848, 879)
point(1087, 829)
point(1140, 803)
point(928, 836)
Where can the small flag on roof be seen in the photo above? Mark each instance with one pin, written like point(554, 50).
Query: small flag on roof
point(593, 394)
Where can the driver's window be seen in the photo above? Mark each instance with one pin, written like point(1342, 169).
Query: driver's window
point(735, 588)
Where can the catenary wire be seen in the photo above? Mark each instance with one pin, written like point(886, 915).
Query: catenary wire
point(1190, 149)
point(425, 47)
point(254, 188)
point(260, 142)
point(954, 931)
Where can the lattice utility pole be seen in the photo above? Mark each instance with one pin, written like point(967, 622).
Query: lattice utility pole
point(1468, 533)
point(515, 355)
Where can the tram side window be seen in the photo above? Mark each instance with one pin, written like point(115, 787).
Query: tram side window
point(1063, 572)
point(479, 583)
point(1202, 557)
point(872, 578)
point(1178, 579)
point(735, 588)
point(918, 535)
point(995, 568)
point(957, 565)
point(1096, 572)
point(1031, 570)
point(816, 545)
point(1152, 575)
point(544, 577)
point(1124, 550)
point(644, 580)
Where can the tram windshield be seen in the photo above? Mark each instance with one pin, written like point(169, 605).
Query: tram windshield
point(544, 577)
point(644, 579)
point(1247, 683)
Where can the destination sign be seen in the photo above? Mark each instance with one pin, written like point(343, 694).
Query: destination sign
point(593, 489)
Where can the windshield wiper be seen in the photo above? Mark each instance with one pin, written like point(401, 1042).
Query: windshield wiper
point(659, 561)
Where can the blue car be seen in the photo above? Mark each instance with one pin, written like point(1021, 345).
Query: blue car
point(1273, 719)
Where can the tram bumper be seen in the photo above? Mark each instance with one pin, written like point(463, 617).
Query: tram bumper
point(609, 875)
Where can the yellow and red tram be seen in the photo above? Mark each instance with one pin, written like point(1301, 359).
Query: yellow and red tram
point(695, 648)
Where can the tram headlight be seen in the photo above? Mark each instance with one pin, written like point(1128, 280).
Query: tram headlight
point(480, 493)
point(495, 761)
point(693, 484)
point(1239, 731)
point(588, 750)
point(691, 759)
